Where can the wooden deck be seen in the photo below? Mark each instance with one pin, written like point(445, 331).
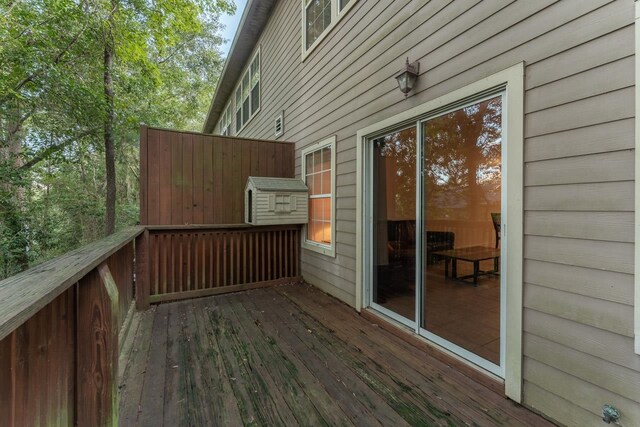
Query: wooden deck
point(291, 355)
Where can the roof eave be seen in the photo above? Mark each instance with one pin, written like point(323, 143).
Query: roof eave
point(254, 18)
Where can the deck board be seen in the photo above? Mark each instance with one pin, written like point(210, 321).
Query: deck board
point(292, 355)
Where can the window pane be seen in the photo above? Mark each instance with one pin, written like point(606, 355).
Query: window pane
point(316, 161)
point(245, 111)
point(318, 15)
point(343, 3)
point(255, 98)
point(326, 238)
point(326, 159)
point(238, 120)
point(326, 209)
point(309, 183)
point(462, 184)
point(317, 183)
point(326, 182)
point(311, 231)
point(309, 163)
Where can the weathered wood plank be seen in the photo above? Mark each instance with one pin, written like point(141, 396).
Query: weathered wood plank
point(152, 396)
point(222, 290)
point(144, 174)
point(267, 364)
point(264, 357)
point(23, 295)
point(97, 360)
point(135, 370)
point(328, 404)
point(476, 400)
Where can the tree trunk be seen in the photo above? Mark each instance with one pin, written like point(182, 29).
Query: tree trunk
point(109, 143)
point(12, 195)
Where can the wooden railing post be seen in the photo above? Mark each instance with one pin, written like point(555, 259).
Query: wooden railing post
point(97, 354)
point(142, 271)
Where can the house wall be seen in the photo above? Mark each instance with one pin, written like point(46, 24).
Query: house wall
point(579, 170)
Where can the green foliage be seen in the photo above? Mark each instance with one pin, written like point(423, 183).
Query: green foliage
point(53, 109)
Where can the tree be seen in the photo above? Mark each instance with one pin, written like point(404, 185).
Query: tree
point(76, 80)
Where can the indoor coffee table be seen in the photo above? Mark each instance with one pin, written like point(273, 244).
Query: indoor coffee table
point(473, 254)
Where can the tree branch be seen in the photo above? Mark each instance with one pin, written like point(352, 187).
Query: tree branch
point(56, 60)
point(44, 154)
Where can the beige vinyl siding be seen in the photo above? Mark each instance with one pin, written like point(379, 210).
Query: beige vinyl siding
point(579, 167)
point(264, 216)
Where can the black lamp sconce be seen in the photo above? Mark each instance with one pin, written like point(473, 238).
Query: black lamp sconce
point(407, 78)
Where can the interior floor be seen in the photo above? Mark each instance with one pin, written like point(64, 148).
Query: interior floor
point(456, 310)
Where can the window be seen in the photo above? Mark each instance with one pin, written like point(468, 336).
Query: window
point(319, 172)
point(247, 95)
point(319, 17)
point(225, 122)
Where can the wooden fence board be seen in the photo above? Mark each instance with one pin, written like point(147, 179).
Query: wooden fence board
point(176, 179)
point(189, 178)
point(198, 179)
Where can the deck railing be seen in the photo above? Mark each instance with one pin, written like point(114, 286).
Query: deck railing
point(192, 261)
point(59, 335)
point(62, 323)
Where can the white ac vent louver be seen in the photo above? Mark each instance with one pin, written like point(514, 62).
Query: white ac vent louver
point(279, 125)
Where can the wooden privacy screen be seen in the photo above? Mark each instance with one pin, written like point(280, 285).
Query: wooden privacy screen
point(191, 178)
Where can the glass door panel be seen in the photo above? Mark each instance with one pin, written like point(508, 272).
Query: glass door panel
point(461, 247)
point(393, 241)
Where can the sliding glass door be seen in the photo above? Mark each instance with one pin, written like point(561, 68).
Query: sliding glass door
point(394, 264)
point(461, 200)
point(435, 200)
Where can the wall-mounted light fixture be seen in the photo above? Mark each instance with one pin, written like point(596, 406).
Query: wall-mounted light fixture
point(407, 78)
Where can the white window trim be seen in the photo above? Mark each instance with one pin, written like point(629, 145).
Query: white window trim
point(336, 16)
point(512, 79)
point(329, 250)
point(636, 278)
point(233, 94)
point(225, 113)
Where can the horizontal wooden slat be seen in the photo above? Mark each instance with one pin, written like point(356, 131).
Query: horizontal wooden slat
point(581, 393)
point(597, 197)
point(609, 226)
point(595, 283)
point(596, 81)
point(227, 289)
point(583, 253)
point(605, 167)
point(555, 407)
point(597, 342)
point(611, 316)
point(609, 107)
point(615, 378)
point(23, 295)
point(600, 138)
point(599, 51)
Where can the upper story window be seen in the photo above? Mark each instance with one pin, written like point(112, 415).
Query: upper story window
point(225, 122)
point(319, 17)
point(247, 94)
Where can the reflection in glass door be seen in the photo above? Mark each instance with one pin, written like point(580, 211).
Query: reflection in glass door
point(461, 211)
point(393, 204)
